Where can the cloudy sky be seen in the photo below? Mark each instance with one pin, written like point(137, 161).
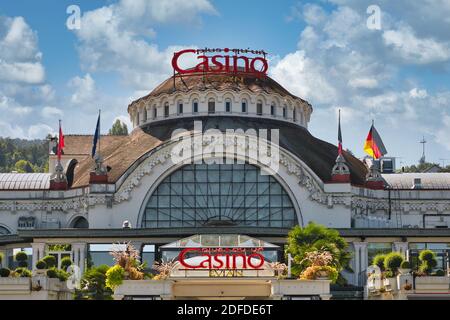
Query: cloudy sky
point(323, 51)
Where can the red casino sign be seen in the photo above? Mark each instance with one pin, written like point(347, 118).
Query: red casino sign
point(217, 61)
point(221, 258)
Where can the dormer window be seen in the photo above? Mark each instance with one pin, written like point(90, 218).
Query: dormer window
point(180, 108)
point(211, 106)
point(244, 106)
point(285, 112)
point(166, 110)
point(154, 112)
point(294, 115)
point(273, 110)
point(195, 106)
point(259, 108)
point(228, 105)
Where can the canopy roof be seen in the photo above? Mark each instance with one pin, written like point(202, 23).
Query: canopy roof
point(219, 241)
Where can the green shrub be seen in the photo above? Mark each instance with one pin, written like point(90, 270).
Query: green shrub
point(23, 264)
point(40, 265)
point(440, 273)
point(62, 275)
point(23, 272)
point(428, 261)
point(51, 273)
point(65, 263)
point(5, 272)
point(405, 265)
point(21, 256)
point(392, 261)
point(378, 260)
point(1, 258)
point(50, 261)
point(115, 276)
point(389, 274)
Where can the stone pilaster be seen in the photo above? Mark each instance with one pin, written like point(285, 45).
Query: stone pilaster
point(38, 249)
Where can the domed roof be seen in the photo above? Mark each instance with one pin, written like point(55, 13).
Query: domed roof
point(221, 82)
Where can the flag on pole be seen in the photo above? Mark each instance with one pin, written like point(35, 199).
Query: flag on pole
point(339, 135)
point(60, 142)
point(96, 136)
point(374, 146)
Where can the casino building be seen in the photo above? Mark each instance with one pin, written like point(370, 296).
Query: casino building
point(138, 193)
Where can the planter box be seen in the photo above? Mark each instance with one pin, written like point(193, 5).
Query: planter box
point(429, 283)
point(301, 288)
point(13, 286)
point(144, 288)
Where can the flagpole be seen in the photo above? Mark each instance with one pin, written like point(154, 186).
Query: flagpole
point(99, 130)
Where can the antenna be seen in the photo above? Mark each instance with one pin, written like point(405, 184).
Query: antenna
point(423, 142)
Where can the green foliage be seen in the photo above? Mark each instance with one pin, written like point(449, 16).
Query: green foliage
point(428, 261)
point(315, 237)
point(440, 273)
point(5, 272)
point(1, 258)
point(115, 276)
point(59, 247)
point(40, 265)
point(23, 155)
point(65, 263)
point(23, 272)
point(389, 274)
point(21, 256)
point(50, 261)
point(93, 285)
point(405, 265)
point(378, 260)
point(118, 129)
point(51, 273)
point(392, 261)
point(62, 275)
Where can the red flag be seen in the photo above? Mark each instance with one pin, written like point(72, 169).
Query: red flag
point(60, 142)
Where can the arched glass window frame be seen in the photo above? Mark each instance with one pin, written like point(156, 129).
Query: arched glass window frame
point(188, 197)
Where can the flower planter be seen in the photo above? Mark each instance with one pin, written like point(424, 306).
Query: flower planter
point(430, 283)
point(15, 285)
point(301, 287)
point(143, 288)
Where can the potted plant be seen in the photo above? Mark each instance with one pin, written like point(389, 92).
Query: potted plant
point(66, 262)
point(378, 261)
point(427, 280)
point(22, 259)
point(115, 276)
point(41, 268)
point(4, 272)
point(405, 267)
point(319, 266)
point(392, 263)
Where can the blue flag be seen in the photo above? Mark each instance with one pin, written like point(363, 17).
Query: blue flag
point(96, 137)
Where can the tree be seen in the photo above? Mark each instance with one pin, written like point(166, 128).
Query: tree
point(118, 129)
point(315, 237)
point(23, 166)
point(93, 285)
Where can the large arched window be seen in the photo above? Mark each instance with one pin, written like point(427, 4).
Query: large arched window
point(3, 231)
point(219, 195)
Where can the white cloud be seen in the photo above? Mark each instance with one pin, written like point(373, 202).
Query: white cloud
point(51, 112)
point(412, 49)
point(84, 89)
point(115, 38)
point(418, 93)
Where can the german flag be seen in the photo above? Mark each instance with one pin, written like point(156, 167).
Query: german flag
point(374, 146)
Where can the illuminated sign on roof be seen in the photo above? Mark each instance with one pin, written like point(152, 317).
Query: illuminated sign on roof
point(223, 61)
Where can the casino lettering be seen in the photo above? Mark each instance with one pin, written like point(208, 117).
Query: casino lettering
point(256, 65)
point(223, 258)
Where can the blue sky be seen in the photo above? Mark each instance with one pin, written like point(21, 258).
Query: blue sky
point(320, 50)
